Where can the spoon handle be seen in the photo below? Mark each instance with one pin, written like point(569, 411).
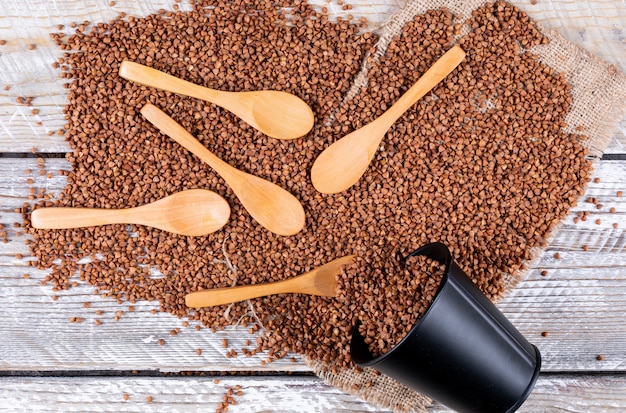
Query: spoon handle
point(219, 296)
point(64, 217)
point(435, 74)
point(148, 76)
point(174, 130)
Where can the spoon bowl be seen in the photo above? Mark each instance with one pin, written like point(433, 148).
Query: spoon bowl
point(343, 163)
point(193, 212)
point(321, 281)
point(277, 114)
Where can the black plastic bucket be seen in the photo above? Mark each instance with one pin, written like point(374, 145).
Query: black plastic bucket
point(463, 352)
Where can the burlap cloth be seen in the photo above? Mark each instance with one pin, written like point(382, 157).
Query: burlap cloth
point(599, 102)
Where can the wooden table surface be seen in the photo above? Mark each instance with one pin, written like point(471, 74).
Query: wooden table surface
point(50, 364)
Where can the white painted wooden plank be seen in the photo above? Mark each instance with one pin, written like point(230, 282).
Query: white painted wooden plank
point(263, 394)
point(38, 335)
point(14, 188)
point(14, 191)
point(618, 141)
point(16, 175)
point(580, 303)
point(552, 393)
point(596, 25)
point(582, 313)
point(572, 394)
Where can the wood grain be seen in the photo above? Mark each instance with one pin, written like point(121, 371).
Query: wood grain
point(553, 393)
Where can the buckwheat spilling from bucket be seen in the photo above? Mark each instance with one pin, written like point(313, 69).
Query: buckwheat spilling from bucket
point(481, 163)
point(391, 311)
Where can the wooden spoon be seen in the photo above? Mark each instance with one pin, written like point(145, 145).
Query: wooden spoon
point(193, 212)
point(320, 281)
point(341, 165)
point(270, 205)
point(277, 114)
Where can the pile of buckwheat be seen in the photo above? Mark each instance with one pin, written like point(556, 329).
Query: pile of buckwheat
point(481, 163)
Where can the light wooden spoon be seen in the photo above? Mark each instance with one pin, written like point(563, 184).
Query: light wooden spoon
point(321, 281)
point(270, 205)
point(194, 212)
point(277, 114)
point(341, 165)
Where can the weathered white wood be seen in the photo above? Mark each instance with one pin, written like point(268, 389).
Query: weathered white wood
point(38, 335)
point(572, 394)
point(596, 25)
point(558, 393)
point(618, 141)
point(580, 303)
point(263, 394)
point(581, 309)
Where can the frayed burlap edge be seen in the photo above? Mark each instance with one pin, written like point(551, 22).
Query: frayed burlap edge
point(373, 387)
point(598, 104)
